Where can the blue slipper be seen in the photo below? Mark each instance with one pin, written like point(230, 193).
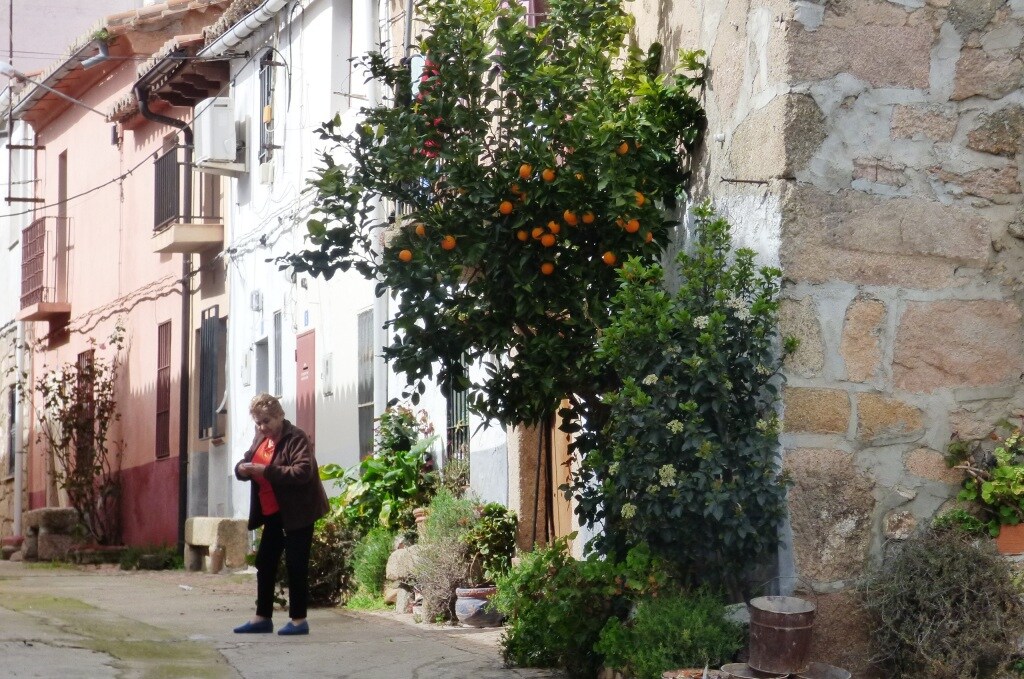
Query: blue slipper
point(261, 627)
point(290, 629)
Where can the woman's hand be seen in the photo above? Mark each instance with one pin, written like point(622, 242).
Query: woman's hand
point(256, 470)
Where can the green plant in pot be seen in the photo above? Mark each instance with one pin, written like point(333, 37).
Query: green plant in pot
point(994, 486)
point(491, 544)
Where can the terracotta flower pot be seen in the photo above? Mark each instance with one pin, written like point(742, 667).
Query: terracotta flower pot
point(1011, 539)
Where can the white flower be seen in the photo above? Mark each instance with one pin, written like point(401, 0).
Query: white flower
point(701, 322)
point(613, 468)
point(743, 314)
point(675, 426)
point(735, 302)
point(652, 489)
point(628, 510)
point(763, 370)
point(651, 379)
point(667, 473)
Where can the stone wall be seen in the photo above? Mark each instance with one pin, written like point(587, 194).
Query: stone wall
point(873, 149)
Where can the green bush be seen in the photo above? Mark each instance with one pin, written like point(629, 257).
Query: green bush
point(687, 460)
point(491, 542)
point(386, 486)
point(943, 606)
point(151, 558)
point(370, 560)
point(556, 606)
point(443, 561)
point(677, 630)
point(330, 564)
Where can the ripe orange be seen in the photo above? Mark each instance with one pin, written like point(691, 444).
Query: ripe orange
point(588, 217)
point(640, 200)
point(554, 227)
point(448, 242)
point(405, 255)
point(570, 218)
point(505, 207)
point(649, 236)
point(516, 191)
point(609, 258)
point(525, 171)
point(522, 235)
point(548, 175)
point(547, 268)
point(537, 232)
point(421, 230)
point(548, 239)
point(622, 148)
point(632, 226)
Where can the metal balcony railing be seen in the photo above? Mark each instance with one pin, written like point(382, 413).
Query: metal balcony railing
point(167, 197)
point(44, 261)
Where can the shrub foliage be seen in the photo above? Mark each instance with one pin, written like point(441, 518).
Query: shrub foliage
point(944, 607)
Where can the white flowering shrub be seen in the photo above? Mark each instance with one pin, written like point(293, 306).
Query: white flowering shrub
point(686, 461)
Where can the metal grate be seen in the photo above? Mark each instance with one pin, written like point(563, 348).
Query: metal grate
point(457, 428)
point(33, 261)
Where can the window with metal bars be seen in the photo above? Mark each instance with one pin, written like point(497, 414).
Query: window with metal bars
point(163, 390)
point(364, 388)
point(167, 196)
point(212, 333)
point(457, 425)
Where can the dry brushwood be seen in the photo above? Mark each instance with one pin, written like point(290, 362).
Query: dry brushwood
point(943, 607)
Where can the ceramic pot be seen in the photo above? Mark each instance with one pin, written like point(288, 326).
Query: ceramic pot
point(473, 606)
point(1011, 539)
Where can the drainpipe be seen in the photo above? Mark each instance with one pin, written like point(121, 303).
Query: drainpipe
point(19, 461)
point(380, 304)
point(142, 95)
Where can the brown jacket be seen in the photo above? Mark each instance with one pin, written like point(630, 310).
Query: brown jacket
point(295, 477)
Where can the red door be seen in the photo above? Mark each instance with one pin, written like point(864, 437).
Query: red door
point(305, 383)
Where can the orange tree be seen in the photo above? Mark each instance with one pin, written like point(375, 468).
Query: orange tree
point(521, 166)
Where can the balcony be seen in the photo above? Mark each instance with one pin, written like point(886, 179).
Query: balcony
point(44, 270)
point(176, 226)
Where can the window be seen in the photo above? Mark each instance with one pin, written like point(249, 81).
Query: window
point(536, 10)
point(457, 426)
point(364, 388)
point(266, 112)
point(163, 390)
point(212, 334)
point(12, 438)
point(278, 362)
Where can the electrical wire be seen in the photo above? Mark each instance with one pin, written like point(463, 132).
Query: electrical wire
point(177, 134)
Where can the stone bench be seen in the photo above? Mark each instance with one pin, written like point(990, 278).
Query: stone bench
point(50, 533)
point(213, 543)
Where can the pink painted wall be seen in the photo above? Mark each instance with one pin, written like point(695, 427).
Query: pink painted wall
point(114, 276)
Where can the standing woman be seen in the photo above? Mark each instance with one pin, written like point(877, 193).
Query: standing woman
point(287, 498)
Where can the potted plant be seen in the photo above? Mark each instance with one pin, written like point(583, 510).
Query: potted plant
point(994, 485)
point(491, 544)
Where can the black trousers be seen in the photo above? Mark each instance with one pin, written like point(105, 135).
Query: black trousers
point(295, 545)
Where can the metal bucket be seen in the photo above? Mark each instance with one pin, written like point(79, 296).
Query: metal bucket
point(820, 670)
point(741, 670)
point(780, 634)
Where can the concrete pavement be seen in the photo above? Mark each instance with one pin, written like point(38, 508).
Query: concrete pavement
point(101, 622)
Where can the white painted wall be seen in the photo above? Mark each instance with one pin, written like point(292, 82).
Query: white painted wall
point(267, 219)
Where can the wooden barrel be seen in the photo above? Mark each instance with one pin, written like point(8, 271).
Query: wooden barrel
point(780, 634)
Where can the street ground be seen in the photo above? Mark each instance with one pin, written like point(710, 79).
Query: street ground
point(60, 622)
